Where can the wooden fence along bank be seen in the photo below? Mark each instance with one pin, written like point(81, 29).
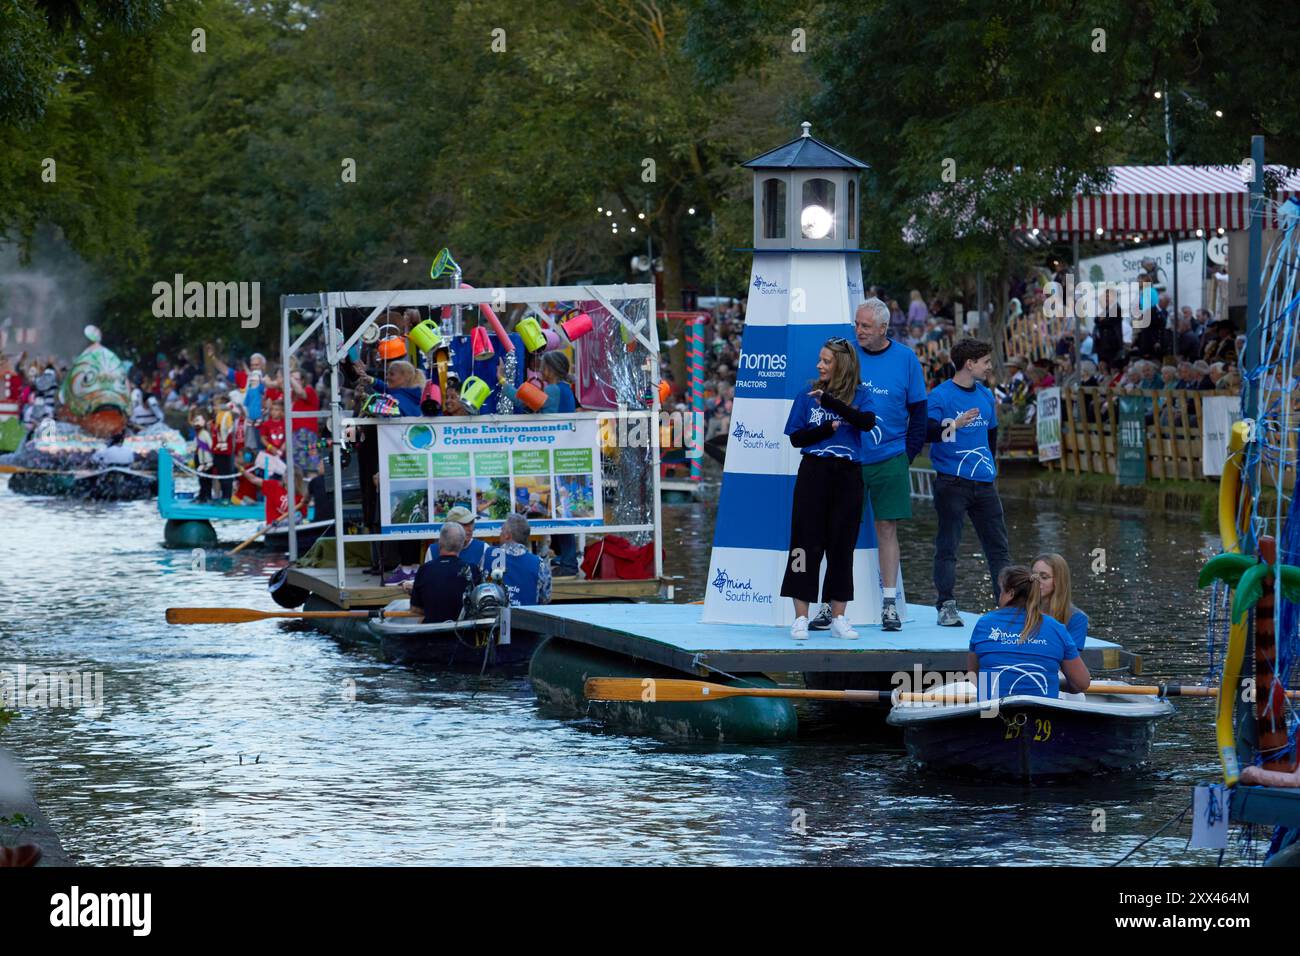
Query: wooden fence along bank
point(1092, 442)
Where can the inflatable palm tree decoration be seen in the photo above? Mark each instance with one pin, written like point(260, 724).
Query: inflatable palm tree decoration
point(1254, 582)
point(1248, 577)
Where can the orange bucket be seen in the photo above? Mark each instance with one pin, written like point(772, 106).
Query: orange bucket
point(532, 396)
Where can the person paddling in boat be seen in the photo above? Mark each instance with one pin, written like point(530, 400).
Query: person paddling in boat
point(1053, 577)
point(1018, 650)
point(825, 424)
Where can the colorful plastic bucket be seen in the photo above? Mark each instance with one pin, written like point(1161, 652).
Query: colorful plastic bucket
point(426, 336)
point(392, 348)
point(531, 332)
point(532, 396)
point(480, 344)
point(578, 326)
point(552, 339)
point(474, 392)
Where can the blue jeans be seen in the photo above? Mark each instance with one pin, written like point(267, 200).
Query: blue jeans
point(954, 499)
point(565, 547)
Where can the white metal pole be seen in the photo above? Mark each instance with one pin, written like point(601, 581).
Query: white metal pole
point(654, 433)
point(336, 433)
point(286, 352)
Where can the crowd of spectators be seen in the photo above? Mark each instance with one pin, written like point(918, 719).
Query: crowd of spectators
point(1192, 351)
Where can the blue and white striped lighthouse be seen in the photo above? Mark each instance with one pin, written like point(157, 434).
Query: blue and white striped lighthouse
point(804, 287)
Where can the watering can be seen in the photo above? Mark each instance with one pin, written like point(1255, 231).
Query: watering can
point(531, 332)
point(426, 336)
point(474, 392)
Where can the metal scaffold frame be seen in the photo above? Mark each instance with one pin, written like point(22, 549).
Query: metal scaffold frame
point(325, 322)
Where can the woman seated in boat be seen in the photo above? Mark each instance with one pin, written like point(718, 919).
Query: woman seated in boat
point(1053, 577)
point(1018, 650)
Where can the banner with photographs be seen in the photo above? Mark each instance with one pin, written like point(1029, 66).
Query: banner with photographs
point(546, 469)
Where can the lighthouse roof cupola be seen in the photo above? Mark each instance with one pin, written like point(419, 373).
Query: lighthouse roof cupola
point(806, 197)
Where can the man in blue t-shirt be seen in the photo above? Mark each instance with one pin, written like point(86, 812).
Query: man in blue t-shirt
point(962, 430)
point(526, 577)
point(893, 375)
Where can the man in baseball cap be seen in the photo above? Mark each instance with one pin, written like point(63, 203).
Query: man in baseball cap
point(475, 548)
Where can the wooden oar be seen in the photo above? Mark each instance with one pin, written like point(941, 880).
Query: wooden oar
point(241, 615)
point(260, 531)
point(1166, 690)
point(661, 689)
point(251, 538)
point(676, 690)
point(16, 469)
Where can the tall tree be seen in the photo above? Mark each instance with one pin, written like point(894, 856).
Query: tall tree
point(971, 113)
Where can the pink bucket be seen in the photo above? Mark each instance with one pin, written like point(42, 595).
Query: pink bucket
point(578, 326)
point(480, 344)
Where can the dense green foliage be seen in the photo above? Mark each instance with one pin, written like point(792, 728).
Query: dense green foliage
point(498, 128)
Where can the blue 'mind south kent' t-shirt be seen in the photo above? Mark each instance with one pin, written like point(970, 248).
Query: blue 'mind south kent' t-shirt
point(968, 455)
point(1077, 625)
point(846, 442)
point(1014, 666)
point(895, 380)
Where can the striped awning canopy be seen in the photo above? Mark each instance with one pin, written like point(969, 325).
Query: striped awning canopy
point(1145, 201)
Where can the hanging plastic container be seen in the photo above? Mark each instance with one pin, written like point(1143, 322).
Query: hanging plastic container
point(431, 399)
point(665, 391)
point(553, 341)
point(426, 336)
point(474, 392)
point(481, 345)
point(532, 396)
point(381, 406)
point(391, 347)
point(531, 332)
point(578, 326)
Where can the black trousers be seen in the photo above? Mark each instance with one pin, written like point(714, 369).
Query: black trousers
point(223, 465)
point(955, 499)
point(824, 521)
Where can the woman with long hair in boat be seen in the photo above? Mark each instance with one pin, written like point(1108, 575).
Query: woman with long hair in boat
point(1020, 648)
point(825, 424)
point(1053, 577)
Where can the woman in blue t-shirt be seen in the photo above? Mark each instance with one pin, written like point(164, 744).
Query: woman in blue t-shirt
point(1018, 650)
point(559, 393)
point(1053, 577)
point(825, 424)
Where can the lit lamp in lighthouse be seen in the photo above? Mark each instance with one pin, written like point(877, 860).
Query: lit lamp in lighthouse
point(805, 283)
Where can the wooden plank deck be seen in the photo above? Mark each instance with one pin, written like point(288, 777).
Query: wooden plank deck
point(363, 590)
point(673, 635)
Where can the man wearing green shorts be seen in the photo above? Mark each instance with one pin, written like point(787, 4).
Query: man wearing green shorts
point(892, 372)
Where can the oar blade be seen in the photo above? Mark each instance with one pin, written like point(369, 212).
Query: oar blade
point(213, 615)
point(652, 690)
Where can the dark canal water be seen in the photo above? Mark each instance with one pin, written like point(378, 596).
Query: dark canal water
point(239, 745)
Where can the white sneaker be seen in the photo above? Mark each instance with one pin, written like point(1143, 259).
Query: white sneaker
point(799, 629)
point(840, 628)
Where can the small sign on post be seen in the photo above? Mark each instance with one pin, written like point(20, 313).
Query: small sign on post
point(1048, 417)
point(1131, 452)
